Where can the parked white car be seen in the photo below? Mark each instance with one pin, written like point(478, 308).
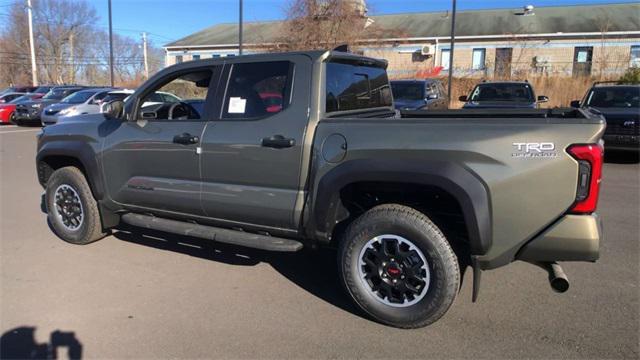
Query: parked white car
point(159, 97)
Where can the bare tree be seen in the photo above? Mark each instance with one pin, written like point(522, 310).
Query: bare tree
point(69, 47)
point(14, 62)
point(324, 24)
point(64, 28)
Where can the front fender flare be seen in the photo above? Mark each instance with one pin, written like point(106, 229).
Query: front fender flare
point(81, 151)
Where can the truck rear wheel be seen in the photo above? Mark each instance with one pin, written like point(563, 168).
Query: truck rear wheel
point(398, 266)
point(71, 208)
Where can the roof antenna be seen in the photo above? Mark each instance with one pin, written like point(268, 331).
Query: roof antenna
point(342, 48)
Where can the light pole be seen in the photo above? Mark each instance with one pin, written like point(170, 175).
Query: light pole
point(240, 30)
point(144, 53)
point(453, 42)
point(34, 68)
point(110, 47)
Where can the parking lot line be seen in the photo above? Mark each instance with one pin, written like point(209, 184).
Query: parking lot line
point(19, 131)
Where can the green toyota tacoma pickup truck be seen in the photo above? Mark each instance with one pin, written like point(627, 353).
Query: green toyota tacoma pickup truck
point(291, 150)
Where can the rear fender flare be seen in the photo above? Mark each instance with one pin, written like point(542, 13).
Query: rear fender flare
point(471, 193)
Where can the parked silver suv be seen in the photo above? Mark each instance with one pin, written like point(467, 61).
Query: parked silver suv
point(81, 102)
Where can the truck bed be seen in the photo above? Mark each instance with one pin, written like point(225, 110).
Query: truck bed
point(527, 190)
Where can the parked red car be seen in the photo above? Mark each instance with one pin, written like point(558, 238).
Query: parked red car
point(7, 109)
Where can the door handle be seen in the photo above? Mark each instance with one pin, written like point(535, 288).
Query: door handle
point(186, 139)
point(278, 142)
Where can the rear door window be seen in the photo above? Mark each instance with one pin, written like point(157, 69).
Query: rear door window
point(258, 90)
point(356, 87)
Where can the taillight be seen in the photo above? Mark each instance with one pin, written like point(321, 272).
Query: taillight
point(590, 158)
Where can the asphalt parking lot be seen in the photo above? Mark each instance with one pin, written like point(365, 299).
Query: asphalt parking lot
point(163, 296)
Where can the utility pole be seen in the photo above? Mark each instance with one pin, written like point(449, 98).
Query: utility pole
point(240, 31)
point(34, 69)
point(72, 68)
point(144, 52)
point(453, 43)
point(110, 46)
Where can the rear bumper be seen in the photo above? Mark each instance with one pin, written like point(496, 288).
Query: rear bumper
point(572, 238)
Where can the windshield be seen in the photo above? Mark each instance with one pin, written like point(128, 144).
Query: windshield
point(116, 96)
point(20, 99)
point(407, 91)
point(42, 90)
point(618, 97)
point(54, 94)
point(78, 98)
point(502, 92)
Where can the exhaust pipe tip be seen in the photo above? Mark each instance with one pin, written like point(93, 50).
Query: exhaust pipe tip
point(559, 285)
point(557, 278)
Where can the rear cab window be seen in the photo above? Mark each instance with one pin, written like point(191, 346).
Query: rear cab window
point(510, 92)
point(353, 86)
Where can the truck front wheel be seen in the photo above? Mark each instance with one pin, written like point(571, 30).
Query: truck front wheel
point(72, 210)
point(398, 266)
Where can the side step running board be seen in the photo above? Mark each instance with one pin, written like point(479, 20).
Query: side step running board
point(235, 237)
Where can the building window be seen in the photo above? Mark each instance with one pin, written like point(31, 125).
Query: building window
point(477, 62)
point(228, 55)
point(195, 57)
point(215, 55)
point(444, 59)
point(178, 59)
point(635, 56)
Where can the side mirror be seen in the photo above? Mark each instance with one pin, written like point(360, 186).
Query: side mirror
point(149, 115)
point(113, 108)
point(432, 96)
point(542, 99)
point(463, 98)
point(575, 104)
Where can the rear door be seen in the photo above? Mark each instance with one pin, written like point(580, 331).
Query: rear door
point(152, 162)
point(503, 63)
point(252, 150)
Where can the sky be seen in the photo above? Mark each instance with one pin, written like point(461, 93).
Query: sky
point(167, 20)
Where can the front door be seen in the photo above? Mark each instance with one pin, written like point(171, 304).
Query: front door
point(152, 161)
point(252, 153)
point(582, 61)
point(503, 63)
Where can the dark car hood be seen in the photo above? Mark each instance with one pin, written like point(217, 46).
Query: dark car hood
point(85, 118)
point(44, 102)
point(403, 104)
point(620, 112)
point(499, 105)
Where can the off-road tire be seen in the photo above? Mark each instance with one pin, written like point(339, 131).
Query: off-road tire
point(416, 227)
point(90, 228)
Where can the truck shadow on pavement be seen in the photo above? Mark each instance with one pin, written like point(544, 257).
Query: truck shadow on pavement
point(20, 343)
point(313, 270)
